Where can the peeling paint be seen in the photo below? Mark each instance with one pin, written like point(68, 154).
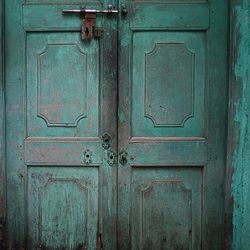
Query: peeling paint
point(121, 116)
point(241, 156)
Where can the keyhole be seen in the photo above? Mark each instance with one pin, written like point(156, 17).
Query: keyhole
point(87, 155)
point(87, 31)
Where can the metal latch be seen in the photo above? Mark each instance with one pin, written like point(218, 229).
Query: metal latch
point(88, 22)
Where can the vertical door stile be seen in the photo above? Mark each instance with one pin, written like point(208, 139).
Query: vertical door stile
point(109, 128)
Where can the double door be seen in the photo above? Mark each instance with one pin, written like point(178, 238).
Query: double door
point(116, 141)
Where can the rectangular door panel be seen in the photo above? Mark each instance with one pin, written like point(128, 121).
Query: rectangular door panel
point(62, 151)
point(62, 207)
point(49, 17)
point(168, 84)
point(62, 85)
point(166, 205)
point(145, 152)
point(164, 15)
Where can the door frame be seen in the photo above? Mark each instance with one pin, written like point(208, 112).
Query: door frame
point(236, 128)
point(237, 121)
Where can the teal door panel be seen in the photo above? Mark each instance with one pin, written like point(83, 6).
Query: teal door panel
point(73, 108)
point(172, 124)
point(62, 207)
point(155, 74)
point(117, 142)
point(166, 207)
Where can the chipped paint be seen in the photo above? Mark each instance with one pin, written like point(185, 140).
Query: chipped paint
point(241, 156)
point(121, 116)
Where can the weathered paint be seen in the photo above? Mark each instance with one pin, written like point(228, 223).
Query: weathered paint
point(61, 99)
point(171, 149)
point(239, 125)
point(162, 162)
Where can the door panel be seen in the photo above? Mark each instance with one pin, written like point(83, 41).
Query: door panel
point(172, 116)
point(63, 207)
point(166, 205)
point(162, 15)
point(62, 85)
point(173, 102)
point(49, 17)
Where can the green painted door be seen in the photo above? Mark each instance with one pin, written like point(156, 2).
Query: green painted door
point(172, 123)
point(117, 142)
point(61, 187)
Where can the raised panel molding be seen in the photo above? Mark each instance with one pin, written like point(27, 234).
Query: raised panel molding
point(61, 196)
point(61, 94)
point(169, 84)
point(62, 207)
point(166, 215)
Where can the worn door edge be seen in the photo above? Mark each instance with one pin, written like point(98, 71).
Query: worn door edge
point(2, 131)
point(237, 122)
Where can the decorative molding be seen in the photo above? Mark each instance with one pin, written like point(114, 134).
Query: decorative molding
point(40, 113)
point(147, 113)
point(41, 189)
point(149, 188)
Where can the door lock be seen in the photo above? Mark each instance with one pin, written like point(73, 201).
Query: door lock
point(89, 18)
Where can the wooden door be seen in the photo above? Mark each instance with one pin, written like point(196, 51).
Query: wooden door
point(61, 185)
point(172, 124)
point(74, 151)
